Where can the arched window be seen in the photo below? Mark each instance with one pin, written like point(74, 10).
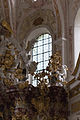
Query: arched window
point(41, 52)
point(77, 36)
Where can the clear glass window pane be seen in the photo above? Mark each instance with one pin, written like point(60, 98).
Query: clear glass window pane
point(50, 53)
point(40, 43)
point(46, 64)
point(50, 47)
point(46, 56)
point(40, 57)
point(46, 41)
point(45, 36)
point(40, 49)
point(45, 48)
point(40, 65)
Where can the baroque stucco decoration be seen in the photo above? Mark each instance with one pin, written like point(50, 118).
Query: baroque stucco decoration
point(27, 14)
point(47, 16)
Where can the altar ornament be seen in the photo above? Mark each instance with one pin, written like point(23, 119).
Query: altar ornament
point(55, 73)
point(23, 85)
point(5, 29)
point(12, 67)
point(42, 103)
point(19, 112)
point(49, 83)
point(20, 107)
point(24, 101)
point(7, 26)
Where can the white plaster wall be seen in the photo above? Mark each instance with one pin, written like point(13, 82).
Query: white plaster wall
point(77, 36)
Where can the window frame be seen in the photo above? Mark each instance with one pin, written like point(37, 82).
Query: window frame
point(49, 36)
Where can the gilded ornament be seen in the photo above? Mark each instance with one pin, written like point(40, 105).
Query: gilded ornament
point(10, 46)
point(16, 52)
point(3, 67)
point(53, 71)
point(7, 26)
point(13, 118)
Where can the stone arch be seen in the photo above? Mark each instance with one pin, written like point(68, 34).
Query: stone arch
point(37, 32)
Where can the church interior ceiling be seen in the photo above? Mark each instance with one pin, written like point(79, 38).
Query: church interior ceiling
point(16, 12)
point(17, 19)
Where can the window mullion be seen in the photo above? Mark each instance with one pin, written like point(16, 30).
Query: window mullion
point(43, 51)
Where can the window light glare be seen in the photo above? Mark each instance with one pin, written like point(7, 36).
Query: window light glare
point(34, 0)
